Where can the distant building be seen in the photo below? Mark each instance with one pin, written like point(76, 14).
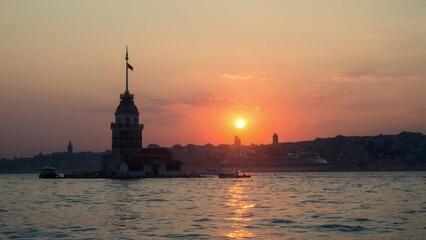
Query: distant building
point(275, 139)
point(153, 145)
point(237, 141)
point(128, 158)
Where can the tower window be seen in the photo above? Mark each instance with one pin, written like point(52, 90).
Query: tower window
point(127, 121)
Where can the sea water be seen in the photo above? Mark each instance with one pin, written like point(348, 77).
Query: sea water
point(332, 205)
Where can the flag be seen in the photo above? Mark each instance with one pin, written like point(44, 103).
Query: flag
point(129, 66)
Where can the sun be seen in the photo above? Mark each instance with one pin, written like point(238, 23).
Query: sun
point(240, 123)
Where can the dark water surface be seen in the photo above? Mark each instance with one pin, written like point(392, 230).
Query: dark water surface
point(384, 205)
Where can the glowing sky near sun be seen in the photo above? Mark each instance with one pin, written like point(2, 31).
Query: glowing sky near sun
point(240, 123)
point(302, 69)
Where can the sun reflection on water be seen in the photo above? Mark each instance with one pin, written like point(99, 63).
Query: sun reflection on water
point(242, 211)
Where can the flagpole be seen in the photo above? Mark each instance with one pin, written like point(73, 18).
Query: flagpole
point(127, 72)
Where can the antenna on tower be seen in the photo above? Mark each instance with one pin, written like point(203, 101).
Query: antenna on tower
point(127, 70)
point(128, 66)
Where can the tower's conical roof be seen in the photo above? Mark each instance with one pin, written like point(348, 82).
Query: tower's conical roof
point(127, 105)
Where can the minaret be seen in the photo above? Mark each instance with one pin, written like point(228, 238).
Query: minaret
point(69, 147)
point(126, 130)
point(237, 141)
point(275, 139)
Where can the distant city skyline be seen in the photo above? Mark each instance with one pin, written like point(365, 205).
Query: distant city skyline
point(299, 69)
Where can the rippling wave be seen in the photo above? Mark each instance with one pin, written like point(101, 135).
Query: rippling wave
point(266, 206)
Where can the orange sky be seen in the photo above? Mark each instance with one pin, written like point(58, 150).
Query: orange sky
point(302, 69)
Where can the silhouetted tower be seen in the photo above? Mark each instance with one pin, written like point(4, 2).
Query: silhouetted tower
point(126, 130)
point(237, 141)
point(275, 139)
point(69, 148)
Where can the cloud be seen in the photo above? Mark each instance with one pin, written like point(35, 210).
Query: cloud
point(363, 83)
point(328, 94)
point(418, 111)
point(210, 102)
point(158, 105)
point(163, 117)
point(222, 103)
point(232, 77)
point(196, 102)
point(159, 111)
point(370, 76)
point(98, 109)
